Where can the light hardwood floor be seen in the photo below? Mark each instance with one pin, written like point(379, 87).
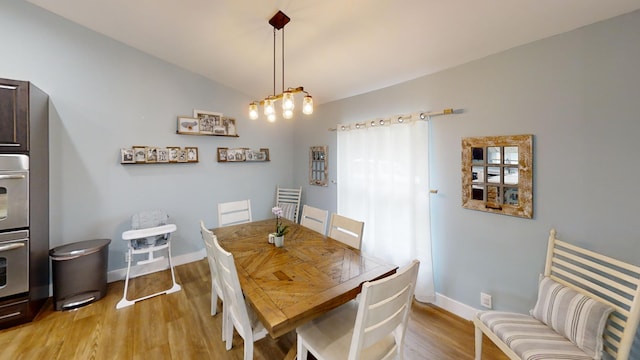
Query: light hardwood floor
point(179, 326)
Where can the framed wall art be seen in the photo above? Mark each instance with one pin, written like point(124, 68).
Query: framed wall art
point(243, 155)
point(158, 155)
point(497, 174)
point(188, 125)
point(207, 123)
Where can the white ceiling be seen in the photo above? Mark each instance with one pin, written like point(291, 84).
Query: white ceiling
point(334, 48)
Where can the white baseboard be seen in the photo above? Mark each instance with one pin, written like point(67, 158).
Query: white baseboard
point(455, 307)
point(139, 270)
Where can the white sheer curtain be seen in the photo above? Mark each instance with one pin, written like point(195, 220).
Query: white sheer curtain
point(383, 180)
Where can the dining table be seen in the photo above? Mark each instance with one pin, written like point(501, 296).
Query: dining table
point(308, 276)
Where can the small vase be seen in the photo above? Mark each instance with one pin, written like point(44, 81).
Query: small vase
point(279, 241)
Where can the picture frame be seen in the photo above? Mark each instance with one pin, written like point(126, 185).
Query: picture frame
point(192, 153)
point(222, 154)
point(182, 156)
point(236, 155)
point(229, 125)
point(163, 155)
point(127, 156)
point(140, 154)
point(265, 152)
point(151, 154)
point(188, 125)
point(173, 153)
point(210, 122)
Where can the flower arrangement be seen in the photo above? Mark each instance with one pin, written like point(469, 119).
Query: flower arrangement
point(281, 229)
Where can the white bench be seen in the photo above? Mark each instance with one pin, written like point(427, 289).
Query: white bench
point(602, 286)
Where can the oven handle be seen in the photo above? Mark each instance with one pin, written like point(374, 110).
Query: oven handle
point(11, 246)
point(9, 177)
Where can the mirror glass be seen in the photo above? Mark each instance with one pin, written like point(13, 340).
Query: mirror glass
point(493, 155)
point(510, 154)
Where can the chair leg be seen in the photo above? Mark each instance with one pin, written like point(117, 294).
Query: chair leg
point(478, 340)
point(214, 299)
point(302, 350)
point(124, 302)
point(248, 349)
point(175, 286)
point(228, 329)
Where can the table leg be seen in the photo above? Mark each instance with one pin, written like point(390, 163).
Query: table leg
point(293, 352)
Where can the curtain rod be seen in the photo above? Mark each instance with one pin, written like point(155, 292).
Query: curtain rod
point(400, 118)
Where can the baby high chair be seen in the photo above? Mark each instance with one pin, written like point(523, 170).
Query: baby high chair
point(150, 233)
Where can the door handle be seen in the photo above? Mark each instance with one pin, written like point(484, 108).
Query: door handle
point(11, 246)
point(12, 177)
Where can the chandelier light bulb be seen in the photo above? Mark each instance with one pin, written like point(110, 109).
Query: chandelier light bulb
point(287, 101)
point(271, 117)
point(253, 111)
point(287, 114)
point(307, 105)
point(268, 107)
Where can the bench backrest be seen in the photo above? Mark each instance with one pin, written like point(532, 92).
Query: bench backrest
point(602, 278)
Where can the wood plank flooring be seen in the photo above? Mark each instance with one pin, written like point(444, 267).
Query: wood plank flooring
point(179, 326)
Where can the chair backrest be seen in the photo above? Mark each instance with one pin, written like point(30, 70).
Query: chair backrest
point(208, 238)
point(346, 230)
point(235, 212)
point(314, 219)
point(233, 297)
point(289, 201)
point(383, 310)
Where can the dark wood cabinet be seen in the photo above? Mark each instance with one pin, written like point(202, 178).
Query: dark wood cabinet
point(24, 129)
point(14, 116)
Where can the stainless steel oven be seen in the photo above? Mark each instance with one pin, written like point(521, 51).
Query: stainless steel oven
point(14, 192)
point(14, 260)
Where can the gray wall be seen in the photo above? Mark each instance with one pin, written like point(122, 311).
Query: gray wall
point(104, 96)
point(577, 93)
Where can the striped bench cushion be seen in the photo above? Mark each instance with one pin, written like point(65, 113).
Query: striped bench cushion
point(530, 338)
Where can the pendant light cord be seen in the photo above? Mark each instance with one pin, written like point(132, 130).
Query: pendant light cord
point(274, 61)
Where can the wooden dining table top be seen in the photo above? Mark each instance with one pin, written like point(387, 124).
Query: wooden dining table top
point(310, 275)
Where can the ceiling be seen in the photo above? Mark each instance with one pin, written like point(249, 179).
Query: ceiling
point(334, 48)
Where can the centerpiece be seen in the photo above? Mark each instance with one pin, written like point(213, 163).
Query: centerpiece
point(281, 229)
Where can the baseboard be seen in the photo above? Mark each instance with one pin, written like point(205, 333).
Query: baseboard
point(139, 270)
point(455, 307)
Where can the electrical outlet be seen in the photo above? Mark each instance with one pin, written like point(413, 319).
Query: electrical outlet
point(485, 300)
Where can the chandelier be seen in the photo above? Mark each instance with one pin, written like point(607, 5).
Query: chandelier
point(278, 21)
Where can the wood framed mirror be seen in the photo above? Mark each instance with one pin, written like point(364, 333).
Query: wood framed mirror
point(497, 174)
point(318, 165)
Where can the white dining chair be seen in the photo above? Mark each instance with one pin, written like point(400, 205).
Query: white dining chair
point(346, 230)
point(314, 219)
point(238, 314)
point(371, 329)
point(216, 287)
point(289, 201)
point(234, 212)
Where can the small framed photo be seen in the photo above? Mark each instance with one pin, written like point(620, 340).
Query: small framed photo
point(127, 156)
point(210, 122)
point(222, 154)
point(152, 154)
point(173, 153)
point(236, 154)
point(140, 154)
point(265, 154)
point(163, 155)
point(229, 126)
point(192, 154)
point(182, 156)
point(188, 125)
